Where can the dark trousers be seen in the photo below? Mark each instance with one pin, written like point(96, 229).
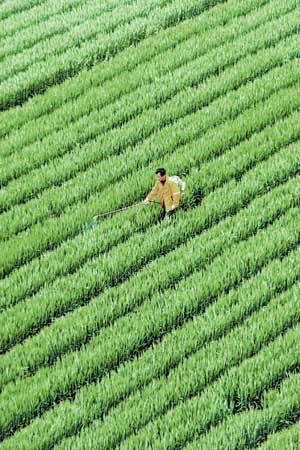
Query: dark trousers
point(166, 214)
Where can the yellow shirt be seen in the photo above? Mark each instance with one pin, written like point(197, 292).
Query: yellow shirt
point(168, 193)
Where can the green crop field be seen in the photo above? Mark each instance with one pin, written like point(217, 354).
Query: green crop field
point(125, 331)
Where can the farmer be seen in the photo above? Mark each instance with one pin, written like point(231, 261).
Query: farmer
point(167, 192)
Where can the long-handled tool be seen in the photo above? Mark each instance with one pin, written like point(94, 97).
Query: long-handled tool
point(116, 210)
point(107, 213)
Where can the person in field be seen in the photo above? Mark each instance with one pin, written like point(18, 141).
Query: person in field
point(166, 191)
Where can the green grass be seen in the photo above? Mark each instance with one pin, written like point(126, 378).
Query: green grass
point(130, 332)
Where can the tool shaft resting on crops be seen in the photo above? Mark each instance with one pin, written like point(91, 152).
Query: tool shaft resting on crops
point(107, 213)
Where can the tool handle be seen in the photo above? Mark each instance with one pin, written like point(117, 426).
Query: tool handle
point(121, 209)
point(117, 210)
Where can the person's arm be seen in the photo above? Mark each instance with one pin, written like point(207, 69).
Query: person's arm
point(153, 193)
point(175, 195)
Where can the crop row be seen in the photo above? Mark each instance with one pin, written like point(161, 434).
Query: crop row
point(197, 415)
point(111, 268)
point(129, 335)
point(212, 175)
point(158, 315)
point(62, 336)
point(219, 109)
point(42, 12)
point(19, 250)
point(71, 255)
point(67, 258)
point(102, 176)
point(62, 21)
point(288, 439)
point(87, 128)
point(55, 69)
point(190, 378)
point(123, 63)
point(137, 312)
point(110, 273)
point(279, 407)
point(157, 72)
point(95, 400)
point(74, 253)
point(9, 8)
point(75, 36)
point(98, 174)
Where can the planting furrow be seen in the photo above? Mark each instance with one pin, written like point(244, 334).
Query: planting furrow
point(61, 337)
point(54, 202)
point(56, 69)
point(201, 309)
point(190, 378)
point(195, 416)
point(39, 13)
point(131, 335)
point(40, 238)
point(120, 65)
point(11, 7)
point(215, 140)
point(52, 175)
point(73, 254)
point(132, 84)
point(95, 400)
point(29, 316)
point(279, 408)
point(77, 14)
point(70, 254)
point(102, 24)
point(86, 129)
point(232, 165)
point(288, 439)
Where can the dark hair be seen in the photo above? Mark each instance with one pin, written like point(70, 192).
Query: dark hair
point(161, 170)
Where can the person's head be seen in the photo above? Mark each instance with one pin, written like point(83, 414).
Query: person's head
point(161, 174)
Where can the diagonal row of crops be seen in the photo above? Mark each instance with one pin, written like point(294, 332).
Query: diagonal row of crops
point(61, 336)
point(200, 412)
point(53, 204)
point(9, 8)
point(84, 242)
point(33, 15)
point(271, 325)
point(109, 272)
point(72, 223)
point(92, 47)
point(53, 146)
point(284, 440)
point(184, 52)
point(91, 243)
point(130, 331)
point(63, 17)
point(61, 43)
point(248, 297)
point(249, 428)
point(167, 392)
point(127, 340)
point(295, 232)
point(127, 60)
point(30, 185)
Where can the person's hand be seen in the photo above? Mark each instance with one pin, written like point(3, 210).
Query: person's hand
point(146, 201)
